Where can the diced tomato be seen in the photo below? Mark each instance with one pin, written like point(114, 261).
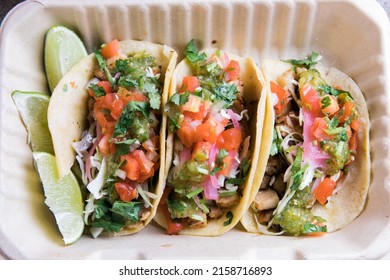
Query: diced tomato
point(125, 191)
point(187, 134)
point(329, 104)
point(116, 109)
point(201, 151)
point(232, 71)
point(318, 129)
point(101, 120)
point(210, 129)
point(346, 112)
point(173, 226)
point(192, 105)
point(324, 190)
point(283, 96)
point(145, 165)
point(229, 139)
point(228, 161)
point(131, 167)
point(105, 146)
point(353, 141)
point(199, 115)
point(111, 49)
point(310, 99)
point(106, 85)
point(189, 83)
point(355, 124)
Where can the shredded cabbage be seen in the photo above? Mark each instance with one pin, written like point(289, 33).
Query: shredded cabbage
point(95, 186)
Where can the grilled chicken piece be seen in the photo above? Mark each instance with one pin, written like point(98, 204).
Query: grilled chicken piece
point(264, 216)
point(228, 201)
point(266, 199)
point(196, 223)
point(215, 212)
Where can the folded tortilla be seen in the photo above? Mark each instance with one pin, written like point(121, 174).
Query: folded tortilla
point(348, 202)
point(68, 110)
point(254, 95)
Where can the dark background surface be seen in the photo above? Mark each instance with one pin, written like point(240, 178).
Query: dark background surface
point(7, 5)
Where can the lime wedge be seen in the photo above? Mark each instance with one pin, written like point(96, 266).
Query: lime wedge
point(63, 196)
point(63, 49)
point(32, 107)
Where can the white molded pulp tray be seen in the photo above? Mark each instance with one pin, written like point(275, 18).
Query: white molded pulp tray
point(351, 35)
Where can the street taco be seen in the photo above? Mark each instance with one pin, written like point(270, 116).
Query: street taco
point(215, 114)
point(318, 172)
point(106, 120)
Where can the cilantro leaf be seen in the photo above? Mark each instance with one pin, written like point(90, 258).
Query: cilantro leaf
point(307, 63)
point(128, 115)
point(103, 66)
point(128, 210)
point(276, 141)
point(127, 82)
point(327, 89)
point(123, 147)
point(153, 95)
point(325, 102)
point(107, 224)
point(229, 218)
point(180, 99)
point(221, 165)
point(192, 53)
point(296, 170)
point(97, 90)
point(226, 92)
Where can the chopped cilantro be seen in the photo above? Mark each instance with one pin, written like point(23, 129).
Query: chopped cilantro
point(325, 102)
point(221, 165)
point(103, 66)
point(276, 141)
point(128, 115)
point(307, 63)
point(327, 89)
point(97, 90)
point(180, 99)
point(128, 210)
point(226, 92)
point(296, 170)
point(127, 82)
point(123, 147)
point(192, 53)
point(153, 94)
point(229, 218)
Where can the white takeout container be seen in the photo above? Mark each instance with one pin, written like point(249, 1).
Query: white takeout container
point(351, 35)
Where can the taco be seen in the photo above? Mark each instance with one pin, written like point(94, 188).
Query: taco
point(216, 103)
point(106, 116)
point(318, 171)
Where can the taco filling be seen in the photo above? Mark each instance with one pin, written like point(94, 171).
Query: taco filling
point(314, 144)
point(119, 152)
point(211, 155)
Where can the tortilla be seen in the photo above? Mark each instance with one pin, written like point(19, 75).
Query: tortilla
point(345, 205)
point(255, 99)
point(68, 110)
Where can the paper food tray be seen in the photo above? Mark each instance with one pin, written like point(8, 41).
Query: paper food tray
point(352, 36)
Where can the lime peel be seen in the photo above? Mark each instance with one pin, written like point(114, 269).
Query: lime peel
point(32, 107)
point(63, 49)
point(63, 197)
